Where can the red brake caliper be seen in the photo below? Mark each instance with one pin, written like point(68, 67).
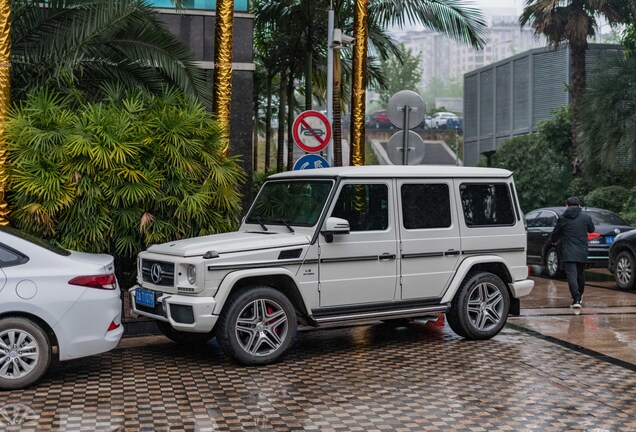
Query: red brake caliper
point(270, 310)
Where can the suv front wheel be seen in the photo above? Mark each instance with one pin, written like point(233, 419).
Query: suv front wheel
point(480, 307)
point(257, 326)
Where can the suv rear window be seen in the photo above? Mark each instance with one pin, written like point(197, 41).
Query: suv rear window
point(486, 204)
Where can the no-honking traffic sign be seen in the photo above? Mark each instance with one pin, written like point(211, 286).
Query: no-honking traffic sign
point(312, 131)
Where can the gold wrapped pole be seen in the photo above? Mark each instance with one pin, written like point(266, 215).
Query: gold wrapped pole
point(5, 98)
point(359, 81)
point(222, 90)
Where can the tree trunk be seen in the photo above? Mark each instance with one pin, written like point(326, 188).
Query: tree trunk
point(268, 122)
point(577, 90)
point(290, 121)
point(255, 134)
point(281, 121)
point(337, 124)
point(309, 89)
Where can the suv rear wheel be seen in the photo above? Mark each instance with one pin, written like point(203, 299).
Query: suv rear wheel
point(257, 326)
point(624, 271)
point(480, 307)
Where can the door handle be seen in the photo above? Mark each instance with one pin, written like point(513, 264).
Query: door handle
point(451, 252)
point(386, 257)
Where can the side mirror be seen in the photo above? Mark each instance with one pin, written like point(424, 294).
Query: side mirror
point(334, 226)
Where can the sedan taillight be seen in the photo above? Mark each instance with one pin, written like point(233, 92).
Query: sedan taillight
point(106, 282)
point(593, 236)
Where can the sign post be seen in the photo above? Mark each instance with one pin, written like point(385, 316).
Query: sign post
point(311, 131)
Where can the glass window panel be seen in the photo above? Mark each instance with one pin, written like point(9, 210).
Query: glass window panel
point(364, 206)
point(426, 206)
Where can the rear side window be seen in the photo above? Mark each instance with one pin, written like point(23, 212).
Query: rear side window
point(486, 204)
point(426, 206)
point(11, 257)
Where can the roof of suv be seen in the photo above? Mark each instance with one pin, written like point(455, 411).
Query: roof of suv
point(392, 171)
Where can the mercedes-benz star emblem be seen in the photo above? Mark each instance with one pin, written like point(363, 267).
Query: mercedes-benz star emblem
point(156, 273)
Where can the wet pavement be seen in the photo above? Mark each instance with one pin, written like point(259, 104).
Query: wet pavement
point(548, 370)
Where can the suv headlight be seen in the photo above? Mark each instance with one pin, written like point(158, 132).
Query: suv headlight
point(192, 274)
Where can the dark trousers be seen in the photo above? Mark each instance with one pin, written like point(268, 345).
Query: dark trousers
point(575, 274)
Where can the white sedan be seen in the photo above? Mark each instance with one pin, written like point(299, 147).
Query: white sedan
point(51, 297)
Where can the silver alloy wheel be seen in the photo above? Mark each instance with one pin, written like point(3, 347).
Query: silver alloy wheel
point(19, 353)
point(261, 327)
point(485, 306)
point(552, 262)
point(624, 271)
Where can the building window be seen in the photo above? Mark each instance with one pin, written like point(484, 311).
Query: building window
point(239, 5)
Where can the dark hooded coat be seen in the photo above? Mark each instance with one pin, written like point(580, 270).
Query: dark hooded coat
point(571, 231)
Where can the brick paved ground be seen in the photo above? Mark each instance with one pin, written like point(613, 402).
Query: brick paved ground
point(365, 378)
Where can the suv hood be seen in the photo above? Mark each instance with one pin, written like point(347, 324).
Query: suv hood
point(229, 242)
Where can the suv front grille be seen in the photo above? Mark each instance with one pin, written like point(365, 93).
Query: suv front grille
point(157, 272)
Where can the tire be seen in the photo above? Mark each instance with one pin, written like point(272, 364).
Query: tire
point(267, 329)
point(181, 337)
point(31, 361)
point(624, 271)
point(480, 307)
point(552, 263)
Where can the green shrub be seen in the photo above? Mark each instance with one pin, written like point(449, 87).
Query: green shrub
point(611, 198)
point(119, 175)
point(542, 174)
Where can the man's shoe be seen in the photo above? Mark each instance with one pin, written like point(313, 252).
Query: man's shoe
point(576, 304)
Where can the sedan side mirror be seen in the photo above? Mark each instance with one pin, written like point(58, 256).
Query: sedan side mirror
point(334, 226)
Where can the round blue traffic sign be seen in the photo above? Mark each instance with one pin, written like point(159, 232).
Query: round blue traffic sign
point(311, 161)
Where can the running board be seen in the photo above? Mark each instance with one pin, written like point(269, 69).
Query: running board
point(380, 315)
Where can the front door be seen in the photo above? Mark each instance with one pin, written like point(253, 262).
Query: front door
point(429, 235)
point(360, 267)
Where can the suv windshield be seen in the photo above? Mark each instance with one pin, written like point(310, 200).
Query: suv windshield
point(290, 202)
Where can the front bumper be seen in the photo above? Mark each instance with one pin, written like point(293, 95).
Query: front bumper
point(522, 288)
point(184, 313)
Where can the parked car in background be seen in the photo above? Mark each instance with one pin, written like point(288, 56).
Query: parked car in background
point(541, 251)
point(380, 120)
point(622, 258)
point(440, 119)
point(51, 297)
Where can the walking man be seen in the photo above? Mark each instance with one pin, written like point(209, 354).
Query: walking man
point(571, 230)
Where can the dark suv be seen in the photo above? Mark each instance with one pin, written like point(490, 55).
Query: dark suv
point(621, 260)
point(541, 223)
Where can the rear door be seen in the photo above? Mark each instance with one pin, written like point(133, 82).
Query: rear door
point(429, 236)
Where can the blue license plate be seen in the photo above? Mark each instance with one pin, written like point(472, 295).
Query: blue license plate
point(145, 298)
point(609, 239)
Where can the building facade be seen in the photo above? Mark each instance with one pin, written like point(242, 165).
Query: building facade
point(447, 60)
point(195, 28)
point(512, 96)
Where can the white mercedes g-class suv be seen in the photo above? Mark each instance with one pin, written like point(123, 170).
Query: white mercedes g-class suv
point(341, 245)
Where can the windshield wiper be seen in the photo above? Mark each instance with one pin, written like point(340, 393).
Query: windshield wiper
point(286, 223)
point(261, 223)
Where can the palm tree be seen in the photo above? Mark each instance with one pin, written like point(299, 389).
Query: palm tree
point(608, 136)
point(83, 44)
point(573, 22)
point(305, 21)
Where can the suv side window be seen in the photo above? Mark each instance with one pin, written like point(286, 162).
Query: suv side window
point(486, 204)
point(365, 206)
point(435, 198)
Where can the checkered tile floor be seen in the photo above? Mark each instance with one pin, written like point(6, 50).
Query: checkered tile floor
point(366, 378)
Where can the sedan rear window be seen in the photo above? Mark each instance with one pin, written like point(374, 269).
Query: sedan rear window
point(606, 218)
point(36, 241)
